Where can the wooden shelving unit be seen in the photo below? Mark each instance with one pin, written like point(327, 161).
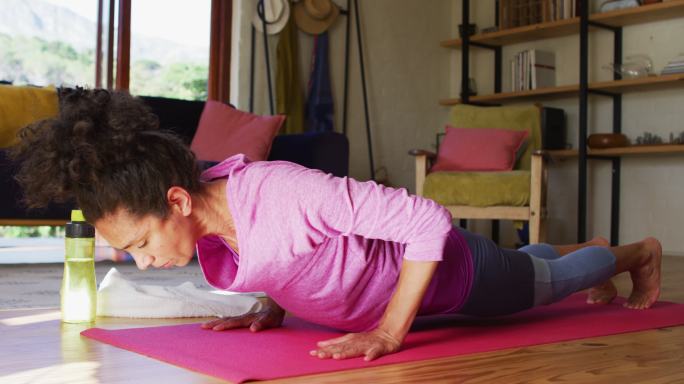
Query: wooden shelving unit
point(635, 150)
point(640, 84)
point(521, 34)
point(615, 86)
point(581, 26)
point(568, 27)
point(641, 15)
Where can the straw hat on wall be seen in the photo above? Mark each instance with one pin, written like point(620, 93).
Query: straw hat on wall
point(276, 13)
point(315, 16)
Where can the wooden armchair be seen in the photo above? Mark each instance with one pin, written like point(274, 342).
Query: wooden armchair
point(518, 195)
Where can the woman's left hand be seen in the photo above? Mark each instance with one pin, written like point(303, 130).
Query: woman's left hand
point(371, 344)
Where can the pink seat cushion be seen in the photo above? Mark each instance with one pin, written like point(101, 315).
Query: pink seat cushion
point(224, 131)
point(479, 149)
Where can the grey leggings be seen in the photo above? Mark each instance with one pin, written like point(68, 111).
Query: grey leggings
point(508, 280)
point(557, 277)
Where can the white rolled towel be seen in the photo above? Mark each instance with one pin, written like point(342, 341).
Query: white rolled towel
point(118, 297)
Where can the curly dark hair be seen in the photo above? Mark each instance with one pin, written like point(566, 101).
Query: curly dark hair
point(105, 151)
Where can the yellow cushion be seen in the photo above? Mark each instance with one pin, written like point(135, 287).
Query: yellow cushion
point(21, 106)
point(479, 189)
point(518, 118)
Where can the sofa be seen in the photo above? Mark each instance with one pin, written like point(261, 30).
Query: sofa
point(327, 151)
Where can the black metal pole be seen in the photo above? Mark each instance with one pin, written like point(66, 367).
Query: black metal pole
point(495, 231)
point(496, 13)
point(617, 53)
point(465, 52)
point(346, 71)
point(583, 122)
point(465, 79)
point(617, 128)
point(251, 72)
point(363, 87)
point(615, 203)
point(262, 15)
point(497, 69)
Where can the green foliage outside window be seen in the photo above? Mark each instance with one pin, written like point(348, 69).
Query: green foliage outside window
point(186, 81)
point(36, 61)
point(31, 231)
point(31, 60)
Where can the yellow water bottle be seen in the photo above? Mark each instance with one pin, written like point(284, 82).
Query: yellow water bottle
point(79, 291)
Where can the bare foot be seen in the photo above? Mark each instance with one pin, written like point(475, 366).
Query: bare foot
point(606, 292)
point(646, 276)
point(602, 294)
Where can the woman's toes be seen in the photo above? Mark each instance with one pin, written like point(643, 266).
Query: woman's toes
point(602, 294)
point(600, 241)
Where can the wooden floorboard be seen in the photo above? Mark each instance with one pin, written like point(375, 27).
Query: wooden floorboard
point(35, 349)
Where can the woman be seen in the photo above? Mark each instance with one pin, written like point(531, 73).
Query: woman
point(355, 256)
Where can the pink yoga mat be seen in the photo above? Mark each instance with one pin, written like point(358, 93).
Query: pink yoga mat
point(239, 355)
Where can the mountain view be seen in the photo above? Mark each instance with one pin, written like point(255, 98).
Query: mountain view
point(42, 43)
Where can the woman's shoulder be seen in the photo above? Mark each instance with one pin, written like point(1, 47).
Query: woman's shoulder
point(240, 164)
point(225, 167)
point(272, 171)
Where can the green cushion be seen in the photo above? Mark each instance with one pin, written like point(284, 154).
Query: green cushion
point(479, 189)
point(518, 118)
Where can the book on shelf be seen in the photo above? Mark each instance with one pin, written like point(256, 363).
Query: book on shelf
point(672, 71)
point(675, 65)
point(519, 13)
point(533, 69)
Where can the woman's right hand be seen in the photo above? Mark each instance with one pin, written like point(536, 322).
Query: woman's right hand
point(270, 317)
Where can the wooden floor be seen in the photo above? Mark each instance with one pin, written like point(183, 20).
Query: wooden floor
point(35, 347)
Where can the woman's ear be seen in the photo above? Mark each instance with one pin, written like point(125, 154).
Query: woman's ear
point(178, 198)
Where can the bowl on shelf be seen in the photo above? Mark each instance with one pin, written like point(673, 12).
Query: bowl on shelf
point(607, 140)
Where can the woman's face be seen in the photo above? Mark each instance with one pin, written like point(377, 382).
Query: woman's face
point(161, 243)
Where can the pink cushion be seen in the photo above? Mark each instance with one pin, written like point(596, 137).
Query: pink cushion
point(479, 149)
point(224, 131)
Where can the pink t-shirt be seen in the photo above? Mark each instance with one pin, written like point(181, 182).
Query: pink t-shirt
point(329, 249)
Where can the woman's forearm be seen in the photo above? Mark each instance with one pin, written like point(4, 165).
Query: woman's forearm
point(414, 278)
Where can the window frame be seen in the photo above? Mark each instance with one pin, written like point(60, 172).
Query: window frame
point(218, 82)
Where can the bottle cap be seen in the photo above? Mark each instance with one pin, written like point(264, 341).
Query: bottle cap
point(77, 215)
point(78, 227)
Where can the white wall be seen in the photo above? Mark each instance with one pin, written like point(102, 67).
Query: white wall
point(408, 72)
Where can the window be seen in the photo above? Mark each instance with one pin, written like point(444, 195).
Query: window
point(46, 42)
point(170, 53)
